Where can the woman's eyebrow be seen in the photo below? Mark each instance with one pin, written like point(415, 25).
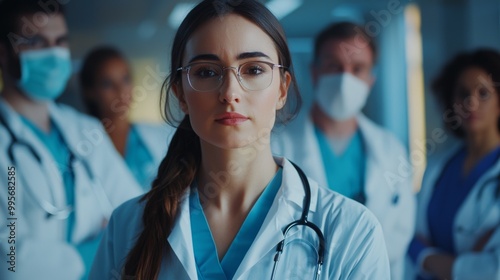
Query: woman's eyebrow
point(212, 57)
point(252, 55)
point(245, 55)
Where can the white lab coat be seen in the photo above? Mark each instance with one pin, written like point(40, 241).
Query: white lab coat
point(156, 138)
point(355, 247)
point(388, 176)
point(479, 213)
point(40, 242)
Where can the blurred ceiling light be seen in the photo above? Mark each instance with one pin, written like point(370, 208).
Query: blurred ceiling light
point(282, 8)
point(178, 14)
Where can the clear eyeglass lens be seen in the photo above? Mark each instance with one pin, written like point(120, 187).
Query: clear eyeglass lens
point(207, 76)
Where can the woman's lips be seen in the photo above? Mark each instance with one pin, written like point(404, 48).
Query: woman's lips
point(230, 118)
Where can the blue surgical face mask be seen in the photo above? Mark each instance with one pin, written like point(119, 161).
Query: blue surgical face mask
point(44, 73)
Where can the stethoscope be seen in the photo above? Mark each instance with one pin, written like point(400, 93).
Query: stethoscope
point(302, 222)
point(52, 211)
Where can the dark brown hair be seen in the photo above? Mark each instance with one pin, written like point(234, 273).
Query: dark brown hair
point(11, 11)
point(14, 15)
point(95, 60)
point(342, 31)
point(179, 167)
point(444, 85)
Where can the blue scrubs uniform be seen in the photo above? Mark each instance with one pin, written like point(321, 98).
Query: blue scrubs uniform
point(205, 252)
point(345, 173)
point(57, 147)
point(139, 160)
point(450, 192)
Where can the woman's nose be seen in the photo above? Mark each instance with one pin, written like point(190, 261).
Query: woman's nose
point(230, 90)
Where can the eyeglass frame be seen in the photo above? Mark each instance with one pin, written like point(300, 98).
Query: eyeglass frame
point(224, 68)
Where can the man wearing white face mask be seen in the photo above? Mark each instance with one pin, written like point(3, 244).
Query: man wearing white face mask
point(341, 148)
point(61, 176)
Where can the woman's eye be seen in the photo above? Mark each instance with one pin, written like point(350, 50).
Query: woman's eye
point(206, 73)
point(484, 93)
point(253, 70)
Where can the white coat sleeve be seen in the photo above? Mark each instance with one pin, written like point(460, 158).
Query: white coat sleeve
point(479, 265)
point(31, 257)
point(371, 261)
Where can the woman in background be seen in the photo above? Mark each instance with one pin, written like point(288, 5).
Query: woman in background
point(220, 203)
point(107, 92)
point(458, 217)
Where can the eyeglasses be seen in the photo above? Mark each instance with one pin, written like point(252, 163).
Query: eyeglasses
point(252, 75)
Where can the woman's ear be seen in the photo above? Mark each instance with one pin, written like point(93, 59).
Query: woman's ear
point(285, 85)
point(180, 96)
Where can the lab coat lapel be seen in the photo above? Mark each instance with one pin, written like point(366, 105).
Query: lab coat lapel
point(286, 208)
point(432, 173)
point(375, 166)
point(180, 239)
point(77, 138)
point(313, 162)
point(152, 136)
point(479, 212)
point(35, 174)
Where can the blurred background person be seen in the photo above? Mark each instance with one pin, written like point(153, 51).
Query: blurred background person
point(65, 176)
point(106, 83)
point(457, 233)
point(341, 148)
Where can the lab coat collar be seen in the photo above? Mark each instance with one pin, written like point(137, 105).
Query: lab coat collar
point(65, 125)
point(286, 208)
point(152, 136)
point(180, 239)
point(293, 189)
point(13, 120)
point(374, 142)
point(55, 182)
point(433, 171)
point(70, 131)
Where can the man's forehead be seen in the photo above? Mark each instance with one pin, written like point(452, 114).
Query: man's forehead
point(355, 50)
point(41, 24)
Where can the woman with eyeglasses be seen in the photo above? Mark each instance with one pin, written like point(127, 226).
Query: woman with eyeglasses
point(458, 217)
point(107, 88)
point(221, 206)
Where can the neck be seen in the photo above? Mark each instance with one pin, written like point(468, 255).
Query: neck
point(35, 111)
point(480, 144)
point(116, 124)
point(118, 133)
point(333, 128)
point(232, 179)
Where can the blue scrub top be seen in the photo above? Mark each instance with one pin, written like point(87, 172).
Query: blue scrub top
point(139, 160)
point(450, 191)
point(345, 173)
point(205, 252)
point(54, 142)
point(449, 194)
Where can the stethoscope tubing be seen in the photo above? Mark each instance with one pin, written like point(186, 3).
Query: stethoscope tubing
point(302, 222)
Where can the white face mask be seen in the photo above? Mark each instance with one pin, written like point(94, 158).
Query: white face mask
point(341, 96)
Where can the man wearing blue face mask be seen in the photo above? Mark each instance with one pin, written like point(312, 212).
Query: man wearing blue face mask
point(341, 148)
point(61, 176)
